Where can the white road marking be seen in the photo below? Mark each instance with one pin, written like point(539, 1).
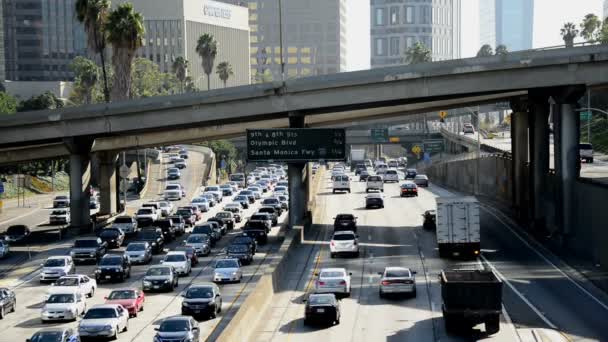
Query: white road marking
point(548, 261)
point(519, 294)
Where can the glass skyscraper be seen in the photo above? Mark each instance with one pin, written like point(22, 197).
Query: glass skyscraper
point(507, 22)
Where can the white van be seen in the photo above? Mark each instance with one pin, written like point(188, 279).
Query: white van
point(391, 176)
point(341, 183)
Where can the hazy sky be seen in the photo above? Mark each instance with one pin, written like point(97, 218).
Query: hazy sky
point(549, 17)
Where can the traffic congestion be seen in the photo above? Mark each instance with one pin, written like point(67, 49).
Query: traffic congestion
point(187, 253)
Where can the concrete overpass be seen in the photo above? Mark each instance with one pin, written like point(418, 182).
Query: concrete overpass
point(527, 79)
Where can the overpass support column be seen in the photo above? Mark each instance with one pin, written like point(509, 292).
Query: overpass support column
point(297, 186)
point(539, 163)
point(519, 148)
point(107, 182)
point(80, 155)
point(566, 151)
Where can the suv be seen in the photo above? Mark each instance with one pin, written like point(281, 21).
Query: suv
point(374, 183)
point(273, 202)
point(341, 183)
point(88, 249)
point(113, 266)
point(345, 222)
point(586, 152)
point(153, 236)
point(146, 216)
point(206, 228)
point(227, 218)
point(61, 202)
point(256, 230)
point(169, 230)
point(113, 237)
point(272, 212)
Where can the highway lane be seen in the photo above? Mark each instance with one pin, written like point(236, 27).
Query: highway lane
point(26, 320)
point(389, 236)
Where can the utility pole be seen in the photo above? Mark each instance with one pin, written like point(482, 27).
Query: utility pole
point(589, 116)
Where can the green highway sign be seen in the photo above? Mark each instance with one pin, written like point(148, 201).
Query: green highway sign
point(296, 144)
point(586, 115)
point(433, 146)
point(379, 135)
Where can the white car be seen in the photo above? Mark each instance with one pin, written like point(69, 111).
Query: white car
point(56, 267)
point(397, 280)
point(147, 213)
point(85, 285)
point(4, 249)
point(201, 202)
point(173, 192)
point(61, 202)
point(374, 183)
point(179, 260)
point(391, 176)
point(227, 270)
point(63, 306)
point(106, 320)
point(344, 242)
point(166, 208)
point(333, 280)
point(60, 216)
point(127, 224)
point(215, 191)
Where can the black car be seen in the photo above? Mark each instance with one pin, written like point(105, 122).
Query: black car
point(345, 222)
point(360, 168)
point(322, 308)
point(242, 252)
point(363, 175)
point(113, 267)
point(410, 173)
point(88, 249)
point(160, 278)
point(8, 301)
point(272, 212)
point(226, 192)
point(249, 195)
point(227, 217)
point(206, 228)
point(113, 237)
point(153, 236)
point(429, 219)
point(17, 234)
point(202, 300)
point(245, 239)
point(273, 202)
point(219, 225)
point(256, 230)
point(169, 230)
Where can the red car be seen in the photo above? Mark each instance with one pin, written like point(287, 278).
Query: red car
point(131, 299)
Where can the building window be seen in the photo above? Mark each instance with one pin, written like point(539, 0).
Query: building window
point(379, 18)
point(426, 14)
point(395, 46)
point(394, 15)
point(409, 14)
point(409, 42)
point(380, 46)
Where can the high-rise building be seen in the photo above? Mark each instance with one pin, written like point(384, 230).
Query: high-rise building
point(313, 34)
point(507, 22)
point(2, 72)
point(41, 38)
point(397, 25)
point(173, 31)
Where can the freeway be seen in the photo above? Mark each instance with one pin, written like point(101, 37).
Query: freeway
point(29, 291)
point(537, 294)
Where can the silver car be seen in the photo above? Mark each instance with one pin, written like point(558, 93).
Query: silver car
point(4, 249)
point(333, 280)
point(139, 252)
point(127, 224)
point(200, 243)
point(227, 270)
point(56, 267)
point(397, 280)
point(65, 306)
point(106, 320)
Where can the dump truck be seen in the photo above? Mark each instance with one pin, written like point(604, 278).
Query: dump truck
point(457, 227)
point(471, 297)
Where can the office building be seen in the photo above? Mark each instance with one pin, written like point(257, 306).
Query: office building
point(41, 38)
point(173, 31)
point(397, 25)
point(313, 33)
point(605, 12)
point(507, 22)
point(2, 67)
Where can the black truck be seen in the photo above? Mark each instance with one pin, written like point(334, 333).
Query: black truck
point(471, 297)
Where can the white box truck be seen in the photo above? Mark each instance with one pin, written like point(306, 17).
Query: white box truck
point(458, 230)
point(357, 156)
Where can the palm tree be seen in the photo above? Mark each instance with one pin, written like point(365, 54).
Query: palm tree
point(224, 71)
point(569, 32)
point(125, 29)
point(93, 14)
point(591, 23)
point(485, 51)
point(418, 53)
point(206, 47)
point(180, 69)
point(501, 50)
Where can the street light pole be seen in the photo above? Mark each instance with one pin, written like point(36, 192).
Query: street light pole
point(281, 41)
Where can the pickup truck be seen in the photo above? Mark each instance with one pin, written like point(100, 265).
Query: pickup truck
point(471, 297)
point(88, 249)
point(146, 216)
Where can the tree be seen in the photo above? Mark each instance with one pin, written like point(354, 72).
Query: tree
point(46, 100)
point(569, 32)
point(418, 53)
point(224, 71)
point(602, 34)
point(206, 47)
point(8, 104)
point(501, 50)
point(145, 78)
point(591, 23)
point(125, 31)
point(190, 87)
point(180, 69)
point(485, 51)
point(222, 149)
point(93, 14)
point(86, 72)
